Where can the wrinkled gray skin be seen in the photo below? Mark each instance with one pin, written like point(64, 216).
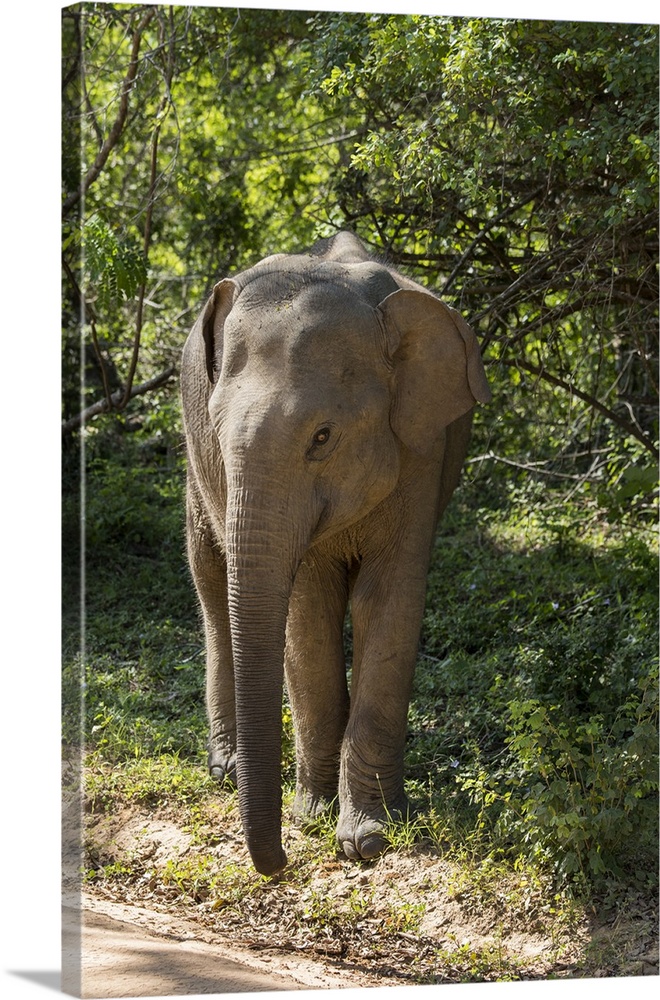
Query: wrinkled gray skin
point(327, 405)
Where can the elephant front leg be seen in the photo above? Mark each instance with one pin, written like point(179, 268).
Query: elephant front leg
point(209, 572)
point(387, 610)
point(316, 682)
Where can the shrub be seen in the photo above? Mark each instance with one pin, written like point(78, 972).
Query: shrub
point(576, 794)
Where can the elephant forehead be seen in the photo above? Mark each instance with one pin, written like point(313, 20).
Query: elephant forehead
point(285, 276)
point(323, 324)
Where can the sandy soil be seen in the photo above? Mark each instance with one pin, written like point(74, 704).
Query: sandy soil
point(130, 951)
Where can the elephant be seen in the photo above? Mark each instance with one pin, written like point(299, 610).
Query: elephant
point(327, 405)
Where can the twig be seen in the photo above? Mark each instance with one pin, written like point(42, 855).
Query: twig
point(101, 361)
point(434, 659)
point(529, 467)
point(193, 656)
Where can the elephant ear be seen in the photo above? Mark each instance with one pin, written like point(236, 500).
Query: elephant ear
point(212, 322)
point(438, 374)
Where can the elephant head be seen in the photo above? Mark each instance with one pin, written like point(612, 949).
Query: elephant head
point(324, 377)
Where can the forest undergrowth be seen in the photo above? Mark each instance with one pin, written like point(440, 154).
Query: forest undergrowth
point(531, 759)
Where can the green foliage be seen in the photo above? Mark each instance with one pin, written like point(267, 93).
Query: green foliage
point(589, 788)
point(142, 656)
point(508, 164)
point(477, 964)
point(114, 266)
point(535, 618)
point(327, 916)
point(152, 778)
point(132, 506)
point(192, 877)
point(196, 879)
point(324, 913)
point(505, 160)
point(574, 793)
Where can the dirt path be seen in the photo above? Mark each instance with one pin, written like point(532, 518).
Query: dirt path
point(132, 952)
point(398, 921)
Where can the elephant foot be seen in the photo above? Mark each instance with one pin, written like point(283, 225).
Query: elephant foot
point(309, 808)
point(362, 836)
point(222, 766)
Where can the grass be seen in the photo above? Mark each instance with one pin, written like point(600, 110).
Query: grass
point(531, 757)
point(154, 781)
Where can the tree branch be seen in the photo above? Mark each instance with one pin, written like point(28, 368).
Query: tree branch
point(147, 240)
point(102, 405)
point(484, 232)
point(86, 309)
point(167, 98)
point(118, 125)
point(532, 467)
point(625, 425)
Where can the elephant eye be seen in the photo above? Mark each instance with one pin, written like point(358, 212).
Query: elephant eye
point(318, 449)
point(322, 436)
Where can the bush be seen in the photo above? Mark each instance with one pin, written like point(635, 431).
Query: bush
point(575, 794)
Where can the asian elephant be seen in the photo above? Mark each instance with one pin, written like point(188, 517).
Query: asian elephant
point(327, 405)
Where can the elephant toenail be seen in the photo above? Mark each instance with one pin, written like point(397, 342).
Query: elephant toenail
point(221, 775)
point(372, 845)
point(349, 850)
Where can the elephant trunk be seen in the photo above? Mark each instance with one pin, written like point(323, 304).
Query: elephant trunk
point(261, 564)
